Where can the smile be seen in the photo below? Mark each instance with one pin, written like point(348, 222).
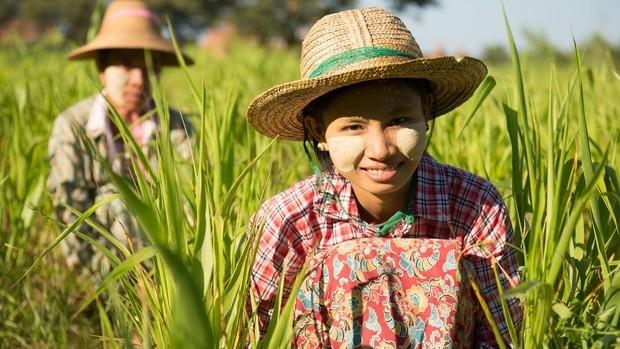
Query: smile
point(381, 171)
point(382, 174)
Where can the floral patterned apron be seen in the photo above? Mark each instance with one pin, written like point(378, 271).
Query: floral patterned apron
point(386, 293)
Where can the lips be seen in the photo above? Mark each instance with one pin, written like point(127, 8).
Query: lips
point(134, 96)
point(382, 174)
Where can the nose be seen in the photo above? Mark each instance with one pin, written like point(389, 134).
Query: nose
point(378, 144)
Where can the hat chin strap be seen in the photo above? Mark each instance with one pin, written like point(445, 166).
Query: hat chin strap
point(406, 214)
point(317, 171)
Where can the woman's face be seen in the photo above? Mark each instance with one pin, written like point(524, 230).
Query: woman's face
point(124, 75)
point(375, 133)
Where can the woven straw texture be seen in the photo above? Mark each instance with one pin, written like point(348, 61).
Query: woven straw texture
point(129, 24)
point(352, 46)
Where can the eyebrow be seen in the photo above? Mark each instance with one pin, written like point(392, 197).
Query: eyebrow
point(351, 118)
point(400, 110)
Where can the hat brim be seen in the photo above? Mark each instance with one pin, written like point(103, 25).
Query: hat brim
point(155, 44)
point(278, 111)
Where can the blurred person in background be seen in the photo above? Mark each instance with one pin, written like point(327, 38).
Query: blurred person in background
point(85, 141)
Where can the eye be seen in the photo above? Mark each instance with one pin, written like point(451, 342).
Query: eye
point(398, 121)
point(352, 127)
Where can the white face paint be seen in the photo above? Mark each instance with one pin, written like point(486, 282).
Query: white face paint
point(345, 151)
point(116, 78)
point(411, 140)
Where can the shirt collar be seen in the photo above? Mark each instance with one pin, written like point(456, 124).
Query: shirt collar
point(430, 201)
point(335, 192)
point(98, 121)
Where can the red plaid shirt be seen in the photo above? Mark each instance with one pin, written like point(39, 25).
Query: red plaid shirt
point(449, 203)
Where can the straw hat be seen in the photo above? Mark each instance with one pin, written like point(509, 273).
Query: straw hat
point(352, 46)
point(129, 24)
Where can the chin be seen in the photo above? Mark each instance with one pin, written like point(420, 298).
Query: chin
point(380, 189)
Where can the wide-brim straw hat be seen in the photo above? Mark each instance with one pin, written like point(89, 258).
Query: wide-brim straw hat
point(130, 24)
point(359, 45)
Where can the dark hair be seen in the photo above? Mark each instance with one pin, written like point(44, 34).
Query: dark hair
point(102, 59)
point(313, 110)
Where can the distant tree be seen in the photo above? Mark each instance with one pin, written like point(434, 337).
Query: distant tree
point(264, 19)
point(598, 49)
point(72, 17)
point(284, 19)
point(8, 10)
point(596, 45)
point(495, 54)
point(400, 5)
point(539, 47)
point(189, 17)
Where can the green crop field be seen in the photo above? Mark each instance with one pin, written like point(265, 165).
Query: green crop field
point(547, 135)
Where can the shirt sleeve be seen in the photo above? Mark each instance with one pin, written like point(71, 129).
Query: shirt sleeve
point(181, 135)
point(66, 181)
point(281, 248)
point(491, 249)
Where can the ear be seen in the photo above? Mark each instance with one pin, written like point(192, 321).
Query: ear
point(316, 130)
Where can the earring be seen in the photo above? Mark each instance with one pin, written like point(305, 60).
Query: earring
point(321, 147)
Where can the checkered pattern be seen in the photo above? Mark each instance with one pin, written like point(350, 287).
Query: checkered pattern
point(449, 203)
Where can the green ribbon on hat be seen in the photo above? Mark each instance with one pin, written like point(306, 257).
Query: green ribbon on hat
point(353, 56)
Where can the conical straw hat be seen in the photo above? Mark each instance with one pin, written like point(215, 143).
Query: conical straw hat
point(129, 24)
point(352, 46)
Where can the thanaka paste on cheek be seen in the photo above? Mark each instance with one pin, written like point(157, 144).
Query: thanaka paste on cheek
point(345, 151)
point(116, 79)
point(411, 140)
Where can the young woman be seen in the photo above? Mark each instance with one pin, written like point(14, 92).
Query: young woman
point(403, 251)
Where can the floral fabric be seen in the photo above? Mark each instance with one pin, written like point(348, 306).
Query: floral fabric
point(386, 293)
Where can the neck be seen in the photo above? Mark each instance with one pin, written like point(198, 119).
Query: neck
point(130, 114)
point(129, 117)
point(379, 208)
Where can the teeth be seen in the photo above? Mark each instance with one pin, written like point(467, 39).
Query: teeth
point(381, 171)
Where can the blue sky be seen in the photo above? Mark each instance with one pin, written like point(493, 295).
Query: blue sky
point(467, 26)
